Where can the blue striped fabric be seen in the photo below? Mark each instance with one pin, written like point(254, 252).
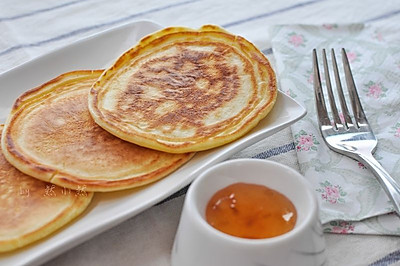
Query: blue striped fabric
point(153, 10)
point(384, 16)
point(275, 151)
point(271, 13)
point(35, 12)
point(267, 51)
point(96, 26)
point(388, 260)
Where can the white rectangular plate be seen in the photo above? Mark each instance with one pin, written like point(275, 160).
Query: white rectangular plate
point(110, 209)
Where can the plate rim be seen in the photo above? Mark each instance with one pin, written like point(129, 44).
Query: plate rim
point(77, 42)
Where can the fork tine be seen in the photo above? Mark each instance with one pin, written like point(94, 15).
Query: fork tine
point(358, 111)
point(319, 95)
point(345, 110)
point(332, 103)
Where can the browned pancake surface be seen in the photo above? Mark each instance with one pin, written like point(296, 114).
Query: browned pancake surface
point(195, 83)
point(54, 138)
point(31, 209)
point(181, 90)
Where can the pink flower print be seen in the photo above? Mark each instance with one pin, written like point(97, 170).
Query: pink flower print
point(305, 141)
point(361, 165)
point(329, 26)
point(375, 90)
point(352, 56)
point(340, 227)
point(378, 35)
point(331, 193)
point(290, 93)
point(310, 76)
point(296, 39)
point(396, 130)
point(311, 79)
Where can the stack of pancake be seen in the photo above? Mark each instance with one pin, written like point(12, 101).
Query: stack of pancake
point(176, 92)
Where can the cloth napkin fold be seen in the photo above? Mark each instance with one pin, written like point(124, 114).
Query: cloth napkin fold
point(351, 199)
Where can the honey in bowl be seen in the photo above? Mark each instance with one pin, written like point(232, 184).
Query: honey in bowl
point(251, 211)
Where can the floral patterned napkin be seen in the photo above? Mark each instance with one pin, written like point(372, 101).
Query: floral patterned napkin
point(351, 199)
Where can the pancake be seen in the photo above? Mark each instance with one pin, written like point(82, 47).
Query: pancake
point(183, 90)
point(31, 209)
point(51, 136)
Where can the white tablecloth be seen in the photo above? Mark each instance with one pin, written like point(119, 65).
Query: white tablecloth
point(29, 29)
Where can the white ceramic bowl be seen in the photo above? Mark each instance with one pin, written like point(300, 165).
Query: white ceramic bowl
point(198, 244)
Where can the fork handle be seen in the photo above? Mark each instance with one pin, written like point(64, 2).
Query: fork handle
point(391, 186)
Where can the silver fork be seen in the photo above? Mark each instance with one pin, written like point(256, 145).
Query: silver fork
point(352, 137)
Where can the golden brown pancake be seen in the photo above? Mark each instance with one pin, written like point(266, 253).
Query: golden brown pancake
point(31, 209)
point(50, 135)
point(182, 90)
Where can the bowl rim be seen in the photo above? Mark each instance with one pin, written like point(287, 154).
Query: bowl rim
point(288, 236)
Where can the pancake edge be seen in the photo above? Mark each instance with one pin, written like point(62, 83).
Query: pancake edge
point(187, 146)
point(64, 218)
point(60, 178)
